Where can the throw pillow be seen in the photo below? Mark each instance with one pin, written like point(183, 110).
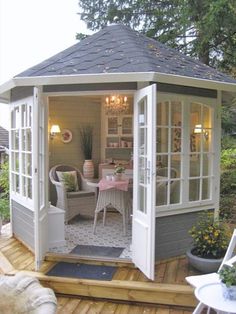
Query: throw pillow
point(69, 179)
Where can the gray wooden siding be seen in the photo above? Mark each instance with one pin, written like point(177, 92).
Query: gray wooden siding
point(23, 224)
point(18, 93)
point(172, 238)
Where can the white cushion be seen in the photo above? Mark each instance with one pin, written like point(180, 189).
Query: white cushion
point(69, 178)
point(200, 280)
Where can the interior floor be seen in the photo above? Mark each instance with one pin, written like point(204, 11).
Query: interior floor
point(80, 231)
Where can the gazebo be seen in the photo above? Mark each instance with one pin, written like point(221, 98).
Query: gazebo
point(169, 125)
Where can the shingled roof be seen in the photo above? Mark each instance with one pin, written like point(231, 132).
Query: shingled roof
point(4, 141)
point(118, 49)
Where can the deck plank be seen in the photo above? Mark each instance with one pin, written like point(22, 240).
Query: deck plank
point(128, 284)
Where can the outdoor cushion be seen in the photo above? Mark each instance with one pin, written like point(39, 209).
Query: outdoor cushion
point(24, 294)
point(69, 179)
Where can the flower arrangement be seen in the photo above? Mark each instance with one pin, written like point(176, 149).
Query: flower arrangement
point(119, 169)
point(228, 275)
point(210, 237)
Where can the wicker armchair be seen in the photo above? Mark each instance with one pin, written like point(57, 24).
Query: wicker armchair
point(80, 202)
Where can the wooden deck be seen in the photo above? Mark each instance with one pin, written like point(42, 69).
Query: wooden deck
point(169, 293)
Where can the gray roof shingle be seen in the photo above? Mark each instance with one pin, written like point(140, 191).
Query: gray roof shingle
point(119, 49)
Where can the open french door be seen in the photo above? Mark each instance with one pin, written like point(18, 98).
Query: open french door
point(40, 177)
point(143, 233)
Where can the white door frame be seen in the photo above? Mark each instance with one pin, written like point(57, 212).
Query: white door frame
point(40, 176)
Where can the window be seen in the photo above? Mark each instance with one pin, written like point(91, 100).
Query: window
point(21, 150)
point(184, 152)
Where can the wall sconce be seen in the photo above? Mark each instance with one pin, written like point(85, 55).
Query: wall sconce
point(198, 130)
point(55, 129)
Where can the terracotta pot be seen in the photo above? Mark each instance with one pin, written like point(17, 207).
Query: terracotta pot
point(204, 265)
point(88, 169)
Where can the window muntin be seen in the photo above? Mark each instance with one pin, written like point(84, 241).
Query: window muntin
point(200, 153)
point(142, 155)
point(21, 150)
point(191, 160)
point(169, 151)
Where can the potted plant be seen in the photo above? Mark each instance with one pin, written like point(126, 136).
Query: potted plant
point(210, 241)
point(86, 134)
point(119, 170)
point(228, 278)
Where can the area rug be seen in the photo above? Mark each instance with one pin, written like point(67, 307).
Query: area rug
point(83, 271)
point(94, 250)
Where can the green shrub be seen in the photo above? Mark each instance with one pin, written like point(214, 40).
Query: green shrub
point(4, 178)
point(4, 209)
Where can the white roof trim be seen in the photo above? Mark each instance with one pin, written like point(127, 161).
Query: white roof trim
point(114, 78)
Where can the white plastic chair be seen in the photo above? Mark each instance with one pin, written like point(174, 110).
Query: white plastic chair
point(201, 280)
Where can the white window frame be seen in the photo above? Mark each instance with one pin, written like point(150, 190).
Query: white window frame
point(18, 196)
point(186, 206)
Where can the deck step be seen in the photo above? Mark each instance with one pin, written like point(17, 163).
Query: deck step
point(131, 291)
point(75, 258)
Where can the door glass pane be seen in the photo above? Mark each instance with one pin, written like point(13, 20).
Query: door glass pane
point(194, 188)
point(163, 113)
point(15, 139)
point(27, 167)
point(176, 113)
point(142, 114)
point(206, 188)
point(176, 138)
point(161, 193)
point(15, 118)
point(142, 158)
point(142, 141)
point(175, 192)
point(207, 140)
point(15, 162)
point(24, 115)
point(142, 198)
point(176, 166)
point(142, 170)
point(194, 170)
point(17, 183)
point(206, 117)
point(206, 165)
point(112, 125)
point(162, 140)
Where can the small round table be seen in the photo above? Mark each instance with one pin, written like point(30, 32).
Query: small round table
point(211, 295)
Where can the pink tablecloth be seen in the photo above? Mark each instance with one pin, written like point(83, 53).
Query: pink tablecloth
point(119, 185)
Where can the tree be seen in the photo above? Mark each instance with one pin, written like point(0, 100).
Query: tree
point(204, 29)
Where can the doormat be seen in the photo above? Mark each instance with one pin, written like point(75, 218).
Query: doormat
point(83, 271)
point(93, 250)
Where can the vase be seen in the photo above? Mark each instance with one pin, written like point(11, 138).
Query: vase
point(118, 176)
point(88, 169)
point(204, 265)
point(229, 293)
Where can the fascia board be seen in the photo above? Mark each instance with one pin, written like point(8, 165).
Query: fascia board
point(194, 82)
point(115, 78)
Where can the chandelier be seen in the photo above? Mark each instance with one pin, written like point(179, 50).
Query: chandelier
point(116, 104)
